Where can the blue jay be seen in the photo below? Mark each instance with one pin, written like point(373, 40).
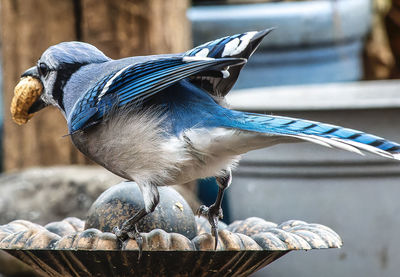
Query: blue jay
point(162, 120)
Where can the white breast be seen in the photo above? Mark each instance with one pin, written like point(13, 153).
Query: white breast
point(135, 147)
point(210, 152)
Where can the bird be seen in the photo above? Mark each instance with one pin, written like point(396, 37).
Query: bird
point(163, 120)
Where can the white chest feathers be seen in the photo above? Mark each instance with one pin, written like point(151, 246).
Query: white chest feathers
point(136, 147)
point(210, 151)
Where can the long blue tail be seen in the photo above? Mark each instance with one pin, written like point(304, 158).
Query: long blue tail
point(316, 132)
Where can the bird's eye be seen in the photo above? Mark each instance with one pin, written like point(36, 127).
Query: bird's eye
point(43, 69)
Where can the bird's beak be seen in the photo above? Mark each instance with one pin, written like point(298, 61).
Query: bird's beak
point(33, 72)
point(39, 103)
point(37, 106)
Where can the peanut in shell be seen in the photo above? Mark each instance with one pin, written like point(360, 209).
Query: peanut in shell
point(26, 92)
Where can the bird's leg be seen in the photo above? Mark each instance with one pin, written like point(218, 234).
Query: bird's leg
point(129, 227)
point(214, 212)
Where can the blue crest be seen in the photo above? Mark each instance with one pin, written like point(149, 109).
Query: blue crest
point(73, 52)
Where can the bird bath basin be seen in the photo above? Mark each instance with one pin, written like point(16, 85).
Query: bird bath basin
point(72, 247)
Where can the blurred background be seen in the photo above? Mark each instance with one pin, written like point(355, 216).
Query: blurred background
point(335, 61)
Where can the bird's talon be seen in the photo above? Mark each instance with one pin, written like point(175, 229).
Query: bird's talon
point(121, 234)
point(139, 240)
point(116, 231)
point(202, 210)
point(215, 211)
point(213, 214)
point(131, 235)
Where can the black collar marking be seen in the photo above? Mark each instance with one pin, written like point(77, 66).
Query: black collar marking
point(63, 75)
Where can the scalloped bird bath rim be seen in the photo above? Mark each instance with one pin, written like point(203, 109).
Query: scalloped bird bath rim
point(245, 247)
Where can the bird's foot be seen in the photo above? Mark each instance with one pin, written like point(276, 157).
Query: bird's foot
point(129, 231)
point(213, 214)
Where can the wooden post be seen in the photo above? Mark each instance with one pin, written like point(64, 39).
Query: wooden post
point(119, 28)
point(131, 28)
point(393, 29)
point(28, 28)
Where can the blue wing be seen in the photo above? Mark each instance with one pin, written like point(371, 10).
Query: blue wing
point(136, 83)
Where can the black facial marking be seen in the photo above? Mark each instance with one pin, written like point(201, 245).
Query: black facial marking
point(63, 75)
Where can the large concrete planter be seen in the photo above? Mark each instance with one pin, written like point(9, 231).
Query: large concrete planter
point(356, 195)
point(315, 41)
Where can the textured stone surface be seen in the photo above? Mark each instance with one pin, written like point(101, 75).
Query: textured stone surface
point(122, 201)
point(46, 194)
point(42, 195)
